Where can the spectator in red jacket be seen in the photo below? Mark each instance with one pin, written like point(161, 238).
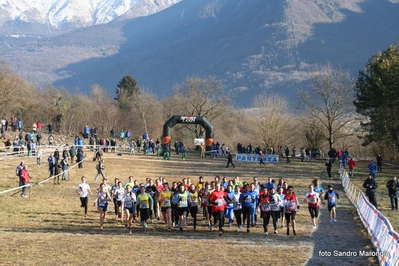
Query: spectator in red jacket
point(351, 165)
point(39, 127)
point(25, 180)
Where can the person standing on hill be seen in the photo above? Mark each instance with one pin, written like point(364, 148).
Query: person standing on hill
point(183, 151)
point(371, 185)
point(372, 168)
point(393, 191)
point(261, 158)
point(379, 163)
point(287, 154)
point(230, 160)
point(329, 166)
point(79, 157)
point(72, 153)
point(24, 179)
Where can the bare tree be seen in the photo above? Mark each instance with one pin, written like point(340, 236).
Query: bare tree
point(329, 102)
point(105, 110)
point(143, 102)
point(273, 123)
point(201, 97)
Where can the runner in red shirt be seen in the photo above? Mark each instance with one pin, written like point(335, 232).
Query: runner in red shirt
point(218, 200)
point(290, 206)
point(265, 208)
point(313, 200)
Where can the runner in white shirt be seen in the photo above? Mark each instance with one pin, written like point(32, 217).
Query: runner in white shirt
point(83, 190)
point(119, 193)
point(128, 204)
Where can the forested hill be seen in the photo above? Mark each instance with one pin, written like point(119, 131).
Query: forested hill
point(252, 45)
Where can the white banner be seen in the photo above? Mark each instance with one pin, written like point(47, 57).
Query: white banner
point(199, 141)
point(243, 157)
point(382, 235)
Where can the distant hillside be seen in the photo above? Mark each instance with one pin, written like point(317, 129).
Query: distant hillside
point(252, 45)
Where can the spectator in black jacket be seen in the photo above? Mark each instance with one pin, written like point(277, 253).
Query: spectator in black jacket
point(371, 185)
point(393, 191)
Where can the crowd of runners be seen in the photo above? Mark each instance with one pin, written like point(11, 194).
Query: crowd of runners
point(222, 202)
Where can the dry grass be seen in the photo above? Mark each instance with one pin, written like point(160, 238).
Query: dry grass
point(49, 227)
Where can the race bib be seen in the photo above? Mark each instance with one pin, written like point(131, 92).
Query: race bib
point(166, 202)
point(312, 200)
point(265, 207)
point(219, 202)
point(331, 199)
point(193, 203)
point(102, 201)
point(128, 204)
point(143, 205)
point(248, 200)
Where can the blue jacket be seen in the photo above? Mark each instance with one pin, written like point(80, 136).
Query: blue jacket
point(249, 199)
point(373, 168)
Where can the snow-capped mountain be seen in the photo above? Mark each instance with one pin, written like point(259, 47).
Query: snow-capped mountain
point(36, 17)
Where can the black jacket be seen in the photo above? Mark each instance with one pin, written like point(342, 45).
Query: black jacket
point(393, 188)
point(370, 185)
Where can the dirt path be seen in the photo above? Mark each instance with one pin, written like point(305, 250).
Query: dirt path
point(342, 242)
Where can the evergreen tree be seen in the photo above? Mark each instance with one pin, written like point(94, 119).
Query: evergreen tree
point(377, 97)
point(126, 87)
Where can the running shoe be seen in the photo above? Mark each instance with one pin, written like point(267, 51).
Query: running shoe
point(210, 228)
point(220, 233)
point(288, 232)
point(266, 233)
point(140, 222)
point(184, 230)
point(229, 224)
point(239, 229)
point(248, 230)
point(294, 232)
point(275, 231)
point(335, 220)
point(130, 231)
point(169, 230)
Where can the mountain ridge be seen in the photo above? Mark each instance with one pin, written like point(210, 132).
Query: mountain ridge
point(252, 46)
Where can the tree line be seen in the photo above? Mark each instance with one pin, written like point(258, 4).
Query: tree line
point(359, 114)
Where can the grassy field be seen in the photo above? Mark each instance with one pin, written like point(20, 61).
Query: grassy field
point(49, 227)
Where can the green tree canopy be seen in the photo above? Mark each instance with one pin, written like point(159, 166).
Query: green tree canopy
point(377, 97)
point(126, 87)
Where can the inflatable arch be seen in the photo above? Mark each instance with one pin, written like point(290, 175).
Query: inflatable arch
point(182, 119)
